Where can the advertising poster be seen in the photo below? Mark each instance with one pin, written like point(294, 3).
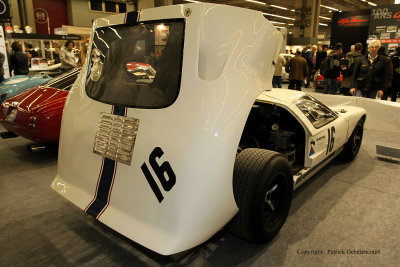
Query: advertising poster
point(384, 25)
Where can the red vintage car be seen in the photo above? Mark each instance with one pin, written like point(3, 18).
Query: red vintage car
point(36, 113)
point(319, 80)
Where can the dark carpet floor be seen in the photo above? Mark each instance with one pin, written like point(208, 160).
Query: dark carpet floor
point(347, 207)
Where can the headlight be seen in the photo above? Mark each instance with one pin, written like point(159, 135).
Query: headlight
point(11, 117)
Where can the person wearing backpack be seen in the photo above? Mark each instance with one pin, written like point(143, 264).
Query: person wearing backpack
point(396, 74)
point(347, 67)
point(370, 73)
point(330, 69)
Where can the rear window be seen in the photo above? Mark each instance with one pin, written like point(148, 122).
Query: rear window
point(136, 65)
point(63, 81)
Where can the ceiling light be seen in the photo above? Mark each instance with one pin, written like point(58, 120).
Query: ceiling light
point(280, 27)
point(192, 1)
point(290, 24)
point(276, 22)
point(328, 7)
point(323, 24)
point(273, 15)
point(324, 17)
point(256, 2)
point(293, 10)
point(284, 8)
point(372, 4)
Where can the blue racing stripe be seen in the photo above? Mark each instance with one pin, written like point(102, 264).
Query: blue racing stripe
point(119, 110)
point(106, 178)
point(104, 188)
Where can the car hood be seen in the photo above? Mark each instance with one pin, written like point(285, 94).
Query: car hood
point(38, 99)
point(20, 81)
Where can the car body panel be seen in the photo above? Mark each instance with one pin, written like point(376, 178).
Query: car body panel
point(176, 190)
point(174, 225)
point(18, 84)
point(39, 110)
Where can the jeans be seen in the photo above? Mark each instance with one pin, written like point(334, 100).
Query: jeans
point(277, 81)
point(330, 86)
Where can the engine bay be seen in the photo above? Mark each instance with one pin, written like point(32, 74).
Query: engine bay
point(274, 128)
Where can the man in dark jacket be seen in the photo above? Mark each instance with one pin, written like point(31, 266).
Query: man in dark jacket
point(332, 62)
point(370, 73)
point(347, 74)
point(298, 71)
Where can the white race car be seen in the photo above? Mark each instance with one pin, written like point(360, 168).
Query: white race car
point(171, 161)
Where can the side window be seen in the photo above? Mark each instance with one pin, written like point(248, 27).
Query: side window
point(316, 112)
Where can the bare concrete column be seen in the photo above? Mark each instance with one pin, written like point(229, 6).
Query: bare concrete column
point(307, 21)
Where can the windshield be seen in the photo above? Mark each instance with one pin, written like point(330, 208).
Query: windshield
point(136, 65)
point(318, 114)
point(63, 81)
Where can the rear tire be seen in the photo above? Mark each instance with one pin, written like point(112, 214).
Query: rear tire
point(352, 146)
point(263, 188)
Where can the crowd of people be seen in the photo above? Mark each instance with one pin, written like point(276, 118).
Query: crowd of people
point(19, 61)
point(372, 75)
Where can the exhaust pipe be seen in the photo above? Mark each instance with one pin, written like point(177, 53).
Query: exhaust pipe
point(6, 135)
point(36, 147)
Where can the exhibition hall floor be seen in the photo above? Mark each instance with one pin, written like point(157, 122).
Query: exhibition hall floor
point(347, 208)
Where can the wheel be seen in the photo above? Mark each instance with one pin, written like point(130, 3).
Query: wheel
point(352, 146)
point(263, 187)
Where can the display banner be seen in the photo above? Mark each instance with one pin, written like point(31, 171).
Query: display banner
point(49, 14)
point(4, 51)
point(4, 11)
point(350, 27)
point(384, 25)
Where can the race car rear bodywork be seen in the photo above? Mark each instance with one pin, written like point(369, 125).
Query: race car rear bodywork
point(153, 157)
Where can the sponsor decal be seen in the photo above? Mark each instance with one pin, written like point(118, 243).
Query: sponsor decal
point(354, 21)
point(312, 151)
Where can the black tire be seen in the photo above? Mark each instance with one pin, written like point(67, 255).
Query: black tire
point(352, 146)
point(260, 175)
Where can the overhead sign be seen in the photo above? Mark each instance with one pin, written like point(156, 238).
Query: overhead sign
point(4, 11)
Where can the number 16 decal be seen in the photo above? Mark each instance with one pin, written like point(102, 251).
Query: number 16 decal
point(331, 140)
point(160, 171)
